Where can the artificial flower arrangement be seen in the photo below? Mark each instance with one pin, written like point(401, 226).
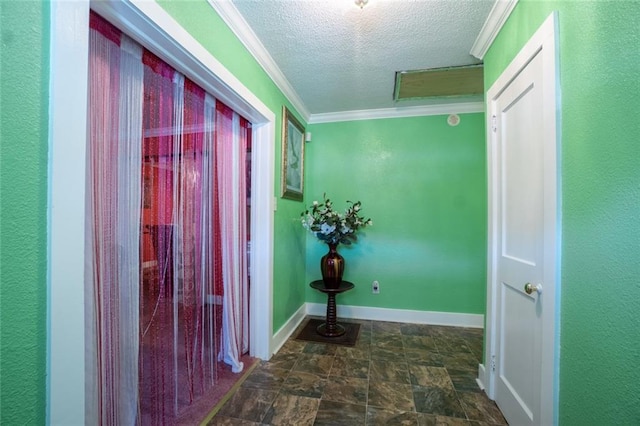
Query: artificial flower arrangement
point(332, 227)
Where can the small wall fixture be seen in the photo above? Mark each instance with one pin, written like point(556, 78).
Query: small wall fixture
point(453, 120)
point(361, 3)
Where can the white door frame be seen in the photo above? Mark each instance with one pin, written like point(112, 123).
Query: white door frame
point(544, 43)
point(153, 27)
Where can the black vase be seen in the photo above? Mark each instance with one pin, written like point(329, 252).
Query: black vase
point(332, 267)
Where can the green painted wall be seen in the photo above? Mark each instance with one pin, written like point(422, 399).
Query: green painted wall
point(423, 184)
point(24, 38)
point(600, 163)
point(202, 22)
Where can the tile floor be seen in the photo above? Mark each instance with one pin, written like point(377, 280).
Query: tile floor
point(397, 374)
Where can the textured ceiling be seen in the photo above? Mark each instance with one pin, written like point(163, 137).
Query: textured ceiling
point(337, 57)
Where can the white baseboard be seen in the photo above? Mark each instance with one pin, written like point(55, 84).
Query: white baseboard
point(401, 315)
point(281, 336)
point(481, 380)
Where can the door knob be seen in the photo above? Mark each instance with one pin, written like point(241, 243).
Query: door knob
point(530, 288)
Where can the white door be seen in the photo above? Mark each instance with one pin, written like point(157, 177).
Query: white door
point(523, 281)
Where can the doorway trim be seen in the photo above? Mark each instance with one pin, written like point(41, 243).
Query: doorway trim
point(153, 27)
point(543, 42)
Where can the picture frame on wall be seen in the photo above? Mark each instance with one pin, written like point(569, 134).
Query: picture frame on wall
point(292, 186)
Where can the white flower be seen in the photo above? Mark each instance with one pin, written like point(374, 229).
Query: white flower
point(326, 229)
point(333, 227)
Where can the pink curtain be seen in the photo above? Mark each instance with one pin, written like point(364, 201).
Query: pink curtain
point(167, 239)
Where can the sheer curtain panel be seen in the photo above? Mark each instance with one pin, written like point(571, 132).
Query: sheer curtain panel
point(167, 283)
point(113, 275)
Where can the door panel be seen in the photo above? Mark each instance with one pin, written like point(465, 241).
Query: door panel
point(521, 207)
point(520, 258)
point(522, 346)
point(518, 377)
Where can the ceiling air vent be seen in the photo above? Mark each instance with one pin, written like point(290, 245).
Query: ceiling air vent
point(464, 80)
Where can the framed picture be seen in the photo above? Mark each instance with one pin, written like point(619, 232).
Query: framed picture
point(292, 156)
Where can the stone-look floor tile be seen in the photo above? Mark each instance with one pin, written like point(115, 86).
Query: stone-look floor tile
point(387, 340)
point(304, 384)
point(451, 344)
point(425, 343)
point(424, 375)
point(266, 377)
point(382, 417)
point(426, 419)
point(475, 423)
point(389, 371)
point(346, 389)
point(460, 361)
point(436, 400)
point(248, 404)
point(386, 327)
point(365, 325)
point(446, 331)
point(475, 340)
point(390, 353)
point(320, 349)
point(433, 420)
point(230, 421)
point(285, 361)
point(471, 333)
point(476, 348)
point(350, 367)
point(292, 410)
point(362, 344)
point(463, 381)
point(292, 346)
point(313, 370)
point(479, 407)
point(417, 356)
point(415, 329)
point(365, 330)
point(451, 421)
point(364, 338)
point(316, 364)
point(357, 352)
point(389, 395)
point(332, 413)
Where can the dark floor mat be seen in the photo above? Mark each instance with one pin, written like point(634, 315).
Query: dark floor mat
point(349, 338)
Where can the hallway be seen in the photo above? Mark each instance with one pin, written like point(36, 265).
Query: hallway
point(397, 374)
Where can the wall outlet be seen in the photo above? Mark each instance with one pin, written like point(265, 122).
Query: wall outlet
point(375, 287)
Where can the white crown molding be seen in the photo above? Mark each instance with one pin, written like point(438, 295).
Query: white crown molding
point(417, 111)
point(248, 38)
point(497, 17)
